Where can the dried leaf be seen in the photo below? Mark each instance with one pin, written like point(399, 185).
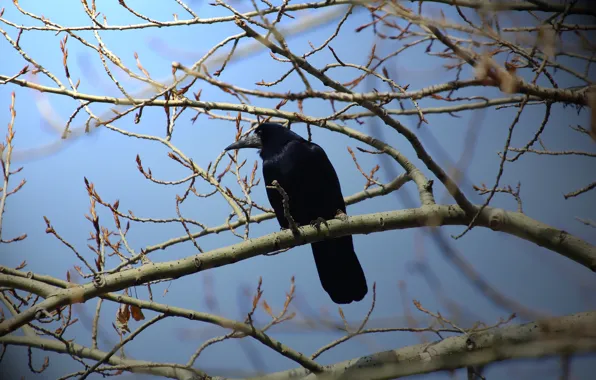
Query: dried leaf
point(137, 313)
point(123, 314)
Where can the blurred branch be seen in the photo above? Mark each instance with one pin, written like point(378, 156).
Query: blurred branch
point(498, 75)
point(587, 222)
point(553, 153)
point(543, 6)
point(573, 334)
point(107, 356)
point(174, 371)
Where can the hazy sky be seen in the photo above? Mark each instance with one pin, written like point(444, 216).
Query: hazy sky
point(531, 275)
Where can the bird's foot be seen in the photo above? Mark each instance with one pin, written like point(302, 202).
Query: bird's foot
point(317, 223)
point(341, 216)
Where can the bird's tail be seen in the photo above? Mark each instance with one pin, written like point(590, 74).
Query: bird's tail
point(339, 269)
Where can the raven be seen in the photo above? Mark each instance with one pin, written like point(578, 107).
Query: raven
point(305, 173)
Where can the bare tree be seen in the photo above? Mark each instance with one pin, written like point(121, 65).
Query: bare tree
point(493, 56)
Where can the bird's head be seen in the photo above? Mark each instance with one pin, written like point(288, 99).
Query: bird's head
point(269, 137)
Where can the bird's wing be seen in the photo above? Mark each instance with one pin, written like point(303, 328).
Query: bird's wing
point(310, 181)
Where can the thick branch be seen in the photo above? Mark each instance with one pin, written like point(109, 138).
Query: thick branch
point(568, 335)
point(523, 6)
point(498, 219)
point(26, 284)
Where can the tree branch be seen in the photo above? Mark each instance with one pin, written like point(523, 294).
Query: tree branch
point(516, 6)
point(172, 371)
point(509, 222)
point(567, 335)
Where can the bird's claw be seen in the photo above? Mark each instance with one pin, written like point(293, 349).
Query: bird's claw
point(317, 223)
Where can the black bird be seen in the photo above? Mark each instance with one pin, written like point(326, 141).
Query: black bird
point(305, 173)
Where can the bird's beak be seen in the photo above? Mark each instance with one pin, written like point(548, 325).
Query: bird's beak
point(248, 141)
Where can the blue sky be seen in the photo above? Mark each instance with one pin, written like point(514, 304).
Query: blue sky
point(530, 274)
